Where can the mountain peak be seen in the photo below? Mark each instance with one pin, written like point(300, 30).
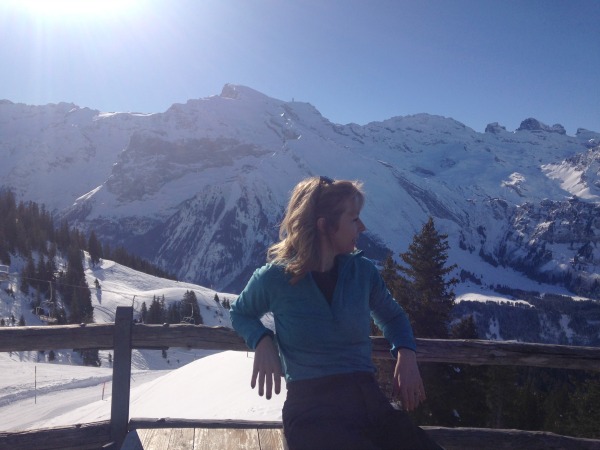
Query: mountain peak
point(235, 91)
point(532, 124)
point(494, 128)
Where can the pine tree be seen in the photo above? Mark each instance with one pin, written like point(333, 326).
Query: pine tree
point(144, 313)
point(174, 312)
point(425, 293)
point(27, 276)
point(156, 311)
point(90, 357)
point(94, 248)
point(41, 276)
point(428, 298)
point(75, 290)
point(585, 407)
point(63, 237)
point(464, 329)
point(49, 272)
point(4, 253)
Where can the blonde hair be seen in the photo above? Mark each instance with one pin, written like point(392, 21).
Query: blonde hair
point(298, 248)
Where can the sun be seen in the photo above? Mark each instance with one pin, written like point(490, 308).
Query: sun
point(78, 8)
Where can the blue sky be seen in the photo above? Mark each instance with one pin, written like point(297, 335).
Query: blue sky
point(477, 61)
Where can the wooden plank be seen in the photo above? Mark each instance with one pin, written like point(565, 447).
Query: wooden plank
point(82, 436)
point(271, 439)
point(119, 410)
point(91, 335)
point(182, 438)
point(220, 338)
point(101, 336)
point(223, 438)
point(142, 423)
point(480, 352)
point(187, 336)
point(157, 439)
point(210, 438)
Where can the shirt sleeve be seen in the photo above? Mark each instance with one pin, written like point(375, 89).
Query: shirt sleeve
point(249, 307)
point(389, 316)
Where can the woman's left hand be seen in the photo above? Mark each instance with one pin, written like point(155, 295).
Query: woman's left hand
point(407, 380)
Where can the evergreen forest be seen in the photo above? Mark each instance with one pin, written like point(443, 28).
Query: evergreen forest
point(52, 273)
point(557, 400)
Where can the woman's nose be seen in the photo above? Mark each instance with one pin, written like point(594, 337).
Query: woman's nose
point(361, 226)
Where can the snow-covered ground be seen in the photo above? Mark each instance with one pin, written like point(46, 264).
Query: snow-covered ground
point(214, 387)
point(190, 384)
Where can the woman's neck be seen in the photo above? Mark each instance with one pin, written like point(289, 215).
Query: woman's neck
point(327, 261)
point(327, 252)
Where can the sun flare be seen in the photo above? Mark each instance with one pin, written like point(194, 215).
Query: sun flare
point(77, 8)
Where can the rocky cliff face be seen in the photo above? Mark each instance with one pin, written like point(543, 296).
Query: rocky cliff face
point(200, 189)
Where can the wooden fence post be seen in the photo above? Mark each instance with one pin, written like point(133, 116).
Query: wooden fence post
point(119, 411)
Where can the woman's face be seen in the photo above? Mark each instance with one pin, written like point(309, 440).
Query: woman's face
point(343, 240)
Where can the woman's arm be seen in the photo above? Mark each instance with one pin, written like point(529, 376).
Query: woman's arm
point(267, 367)
point(407, 380)
point(391, 318)
point(245, 314)
point(249, 307)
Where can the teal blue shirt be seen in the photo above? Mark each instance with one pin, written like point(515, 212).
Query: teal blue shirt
point(316, 339)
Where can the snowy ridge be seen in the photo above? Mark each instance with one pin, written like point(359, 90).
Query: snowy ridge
point(200, 188)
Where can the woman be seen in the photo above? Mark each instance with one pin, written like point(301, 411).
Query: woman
point(322, 293)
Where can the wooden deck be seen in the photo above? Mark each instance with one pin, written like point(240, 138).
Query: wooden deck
point(170, 434)
point(167, 434)
point(204, 439)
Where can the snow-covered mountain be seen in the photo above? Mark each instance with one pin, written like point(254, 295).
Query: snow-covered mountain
point(200, 188)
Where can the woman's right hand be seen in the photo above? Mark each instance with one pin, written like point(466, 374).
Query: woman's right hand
point(267, 367)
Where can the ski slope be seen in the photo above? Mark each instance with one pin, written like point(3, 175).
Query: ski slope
point(189, 384)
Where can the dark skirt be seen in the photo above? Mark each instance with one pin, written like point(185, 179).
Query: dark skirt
point(347, 412)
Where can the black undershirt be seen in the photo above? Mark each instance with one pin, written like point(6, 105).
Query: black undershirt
point(326, 282)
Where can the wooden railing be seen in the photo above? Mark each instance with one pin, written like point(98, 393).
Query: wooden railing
point(124, 335)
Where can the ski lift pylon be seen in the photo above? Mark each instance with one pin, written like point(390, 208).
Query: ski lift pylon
point(189, 319)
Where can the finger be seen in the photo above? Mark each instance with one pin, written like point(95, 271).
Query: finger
point(417, 399)
point(396, 386)
point(405, 398)
point(269, 386)
point(413, 399)
point(277, 383)
point(261, 383)
point(420, 397)
point(410, 404)
point(254, 375)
